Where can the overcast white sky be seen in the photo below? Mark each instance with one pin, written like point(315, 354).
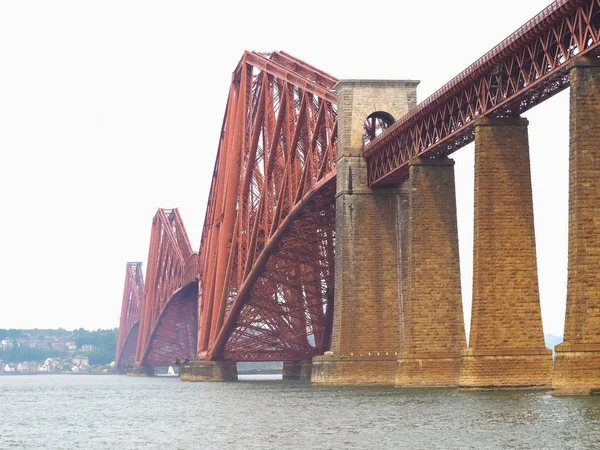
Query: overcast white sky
point(111, 109)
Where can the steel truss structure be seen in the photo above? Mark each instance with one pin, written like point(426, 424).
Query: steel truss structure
point(133, 294)
point(261, 287)
point(168, 317)
point(266, 253)
point(525, 69)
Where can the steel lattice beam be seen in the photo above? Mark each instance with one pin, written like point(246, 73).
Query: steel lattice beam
point(133, 294)
point(175, 331)
point(522, 71)
point(171, 266)
point(271, 191)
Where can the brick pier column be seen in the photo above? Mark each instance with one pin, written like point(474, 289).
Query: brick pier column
point(577, 364)
point(506, 346)
point(433, 326)
point(365, 339)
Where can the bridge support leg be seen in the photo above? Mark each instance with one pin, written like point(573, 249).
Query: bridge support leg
point(140, 371)
point(366, 320)
point(365, 338)
point(297, 370)
point(433, 326)
point(577, 363)
point(209, 371)
point(506, 348)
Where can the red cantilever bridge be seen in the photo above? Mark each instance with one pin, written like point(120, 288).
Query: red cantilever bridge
point(262, 286)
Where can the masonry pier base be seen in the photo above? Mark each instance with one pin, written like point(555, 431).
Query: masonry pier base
point(297, 370)
point(354, 370)
point(428, 371)
point(209, 371)
point(140, 371)
point(576, 369)
point(506, 369)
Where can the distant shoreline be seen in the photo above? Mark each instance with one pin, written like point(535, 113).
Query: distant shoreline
point(240, 372)
point(56, 373)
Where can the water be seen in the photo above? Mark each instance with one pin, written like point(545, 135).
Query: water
point(118, 412)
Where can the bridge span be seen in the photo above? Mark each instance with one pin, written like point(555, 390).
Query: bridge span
point(330, 239)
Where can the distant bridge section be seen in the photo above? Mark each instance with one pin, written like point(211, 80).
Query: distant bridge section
point(133, 295)
point(169, 315)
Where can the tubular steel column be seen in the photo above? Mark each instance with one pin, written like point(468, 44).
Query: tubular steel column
point(365, 339)
point(506, 348)
point(434, 330)
point(577, 364)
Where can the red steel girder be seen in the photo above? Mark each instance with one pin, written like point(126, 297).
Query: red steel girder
point(275, 162)
point(289, 307)
point(175, 331)
point(127, 354)
point(522, 71)
point(171, 263)
point(133, 294)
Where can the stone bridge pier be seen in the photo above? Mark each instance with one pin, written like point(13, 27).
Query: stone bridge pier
point(368, 283)
point(577, 363)
point(432, 329)
point(506, 345)
point(398, 310)
point(398, 316)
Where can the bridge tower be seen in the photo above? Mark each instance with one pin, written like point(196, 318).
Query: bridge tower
point(365, 339)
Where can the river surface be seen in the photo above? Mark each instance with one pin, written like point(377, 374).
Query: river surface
point(261, 412)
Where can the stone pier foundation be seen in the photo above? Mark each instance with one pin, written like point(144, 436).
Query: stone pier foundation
point(140, 371)
point(433, 327)
point(506, 348)
point(365, 338)
point(354, 370)
point(297, 370)
point(577, 363)
point(209, 371)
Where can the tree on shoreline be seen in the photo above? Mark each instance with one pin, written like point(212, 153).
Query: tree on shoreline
point(103, 343)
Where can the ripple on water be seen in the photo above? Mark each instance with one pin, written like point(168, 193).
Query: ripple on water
point(99, 412)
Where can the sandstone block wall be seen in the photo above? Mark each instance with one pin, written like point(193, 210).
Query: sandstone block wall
point(433, 333)
point(505, 369)
point(354, 371)
point(506, 315)
point(297, 370)
point(577, 365)
point(209, 371)
point(366, 313)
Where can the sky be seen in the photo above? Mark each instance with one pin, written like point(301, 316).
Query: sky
point(112, 109)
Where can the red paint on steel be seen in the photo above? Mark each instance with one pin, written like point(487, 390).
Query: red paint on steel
point(271, 192)
point(174, 336)
point(126, 358)
point(133, 294)
point(170, 262)
point(522, 71)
